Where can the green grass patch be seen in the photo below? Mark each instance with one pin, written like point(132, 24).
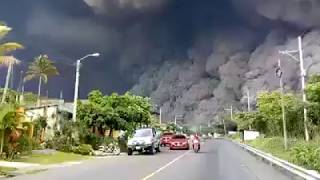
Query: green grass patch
point(274, 146)
point(306, 154)
point(56, 158)
point(5, 171)
point(235, 137)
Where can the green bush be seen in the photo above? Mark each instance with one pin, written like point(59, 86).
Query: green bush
point(94, 140)
point(50, 144)
point(83, 149)
point(24, 145)
point(35, 143)
point(109, 140)
point(62, 143)
point(307, 155)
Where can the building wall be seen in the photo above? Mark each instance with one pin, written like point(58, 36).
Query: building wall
point(51, 112)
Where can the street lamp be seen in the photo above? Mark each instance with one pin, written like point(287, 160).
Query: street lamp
point(303, 75)
point(76, 86)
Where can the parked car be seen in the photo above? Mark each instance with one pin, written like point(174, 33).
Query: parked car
point(179, 142)
point(165, 138)
point(144, 140)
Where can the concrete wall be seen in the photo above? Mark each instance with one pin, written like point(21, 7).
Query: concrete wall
point(251, 135)
point(51, 112)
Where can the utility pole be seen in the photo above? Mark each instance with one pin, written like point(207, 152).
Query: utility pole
point(6, 86)
point(279, 75)
point(160, 120)
point(248, 103)
point(19, 89)
point(176, 118)
point(224, 127)
point(20, 82)
point(302, 74)
point(248, 98)
point(231, 112)
point(61, 94)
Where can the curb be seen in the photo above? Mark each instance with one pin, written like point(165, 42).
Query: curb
point(291, 169)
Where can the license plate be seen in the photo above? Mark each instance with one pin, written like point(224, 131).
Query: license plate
point(138, 147)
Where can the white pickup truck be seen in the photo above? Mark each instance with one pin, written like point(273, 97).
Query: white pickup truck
point(144, 140)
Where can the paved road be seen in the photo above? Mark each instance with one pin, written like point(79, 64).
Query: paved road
point(218, 160)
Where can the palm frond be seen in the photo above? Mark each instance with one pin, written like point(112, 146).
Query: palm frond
point(29, 76)
point(9, 47)
point(7, 60)
point(4, 30)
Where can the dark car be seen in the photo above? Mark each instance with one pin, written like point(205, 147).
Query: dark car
point(165, 138)
point(179, 142)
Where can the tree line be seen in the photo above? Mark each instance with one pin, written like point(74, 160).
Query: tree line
point(114, 112)
point(268, 115)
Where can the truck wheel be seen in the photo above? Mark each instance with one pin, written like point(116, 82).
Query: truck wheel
point(130, 152)
point(152, 150)
point(158, 149)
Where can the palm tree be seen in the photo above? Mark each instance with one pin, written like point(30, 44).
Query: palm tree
point(5, 59)
point(41, 68)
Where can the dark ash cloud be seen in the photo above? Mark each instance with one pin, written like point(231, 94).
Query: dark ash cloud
point(192, 57)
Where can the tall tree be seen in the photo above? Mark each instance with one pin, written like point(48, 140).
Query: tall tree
point(42, 67)
point(5, 59)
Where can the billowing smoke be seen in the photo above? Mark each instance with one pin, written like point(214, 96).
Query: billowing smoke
point(303, 13)
point(193, 58)
point(112, 6)
point(239, 59)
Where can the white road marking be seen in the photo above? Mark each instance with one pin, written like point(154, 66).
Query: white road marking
point(165, 166)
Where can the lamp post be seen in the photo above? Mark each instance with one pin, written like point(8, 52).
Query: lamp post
point(76, 87)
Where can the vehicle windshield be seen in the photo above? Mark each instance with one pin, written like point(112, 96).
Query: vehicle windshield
point(179, 137)
point(143, 133)
point(167, 134)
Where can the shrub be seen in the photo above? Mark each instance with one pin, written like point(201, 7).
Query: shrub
point(94, 140)
point(62, 143)
point(307, 155)
point(109, 140)
point(50, 144)
point(24, 145)
point(35, 143)
point(83, 149)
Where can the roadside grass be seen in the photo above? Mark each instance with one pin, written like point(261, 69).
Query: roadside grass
point(235, 137)
point(56, 158)
point(4, 171)
point(296, 152)
point(273, 146)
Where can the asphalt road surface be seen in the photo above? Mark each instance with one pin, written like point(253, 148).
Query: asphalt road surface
point(217, 160)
